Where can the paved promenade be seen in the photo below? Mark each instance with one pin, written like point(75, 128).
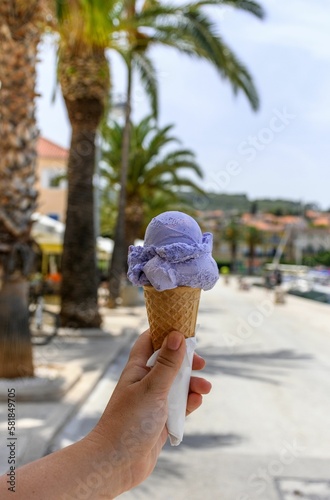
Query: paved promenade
point(263, 433)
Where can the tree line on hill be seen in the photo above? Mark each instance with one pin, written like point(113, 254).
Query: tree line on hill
point(241, 203)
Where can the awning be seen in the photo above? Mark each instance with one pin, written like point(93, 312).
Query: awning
point(49, 233)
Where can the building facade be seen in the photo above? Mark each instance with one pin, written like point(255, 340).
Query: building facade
point(51, 181)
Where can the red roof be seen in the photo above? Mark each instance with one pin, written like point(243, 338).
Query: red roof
point(289, 219)
point(322, 221)
point(312, 214)
point(48, 149)
point(265, 226)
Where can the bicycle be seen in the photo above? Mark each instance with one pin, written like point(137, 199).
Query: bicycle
point(43, 321)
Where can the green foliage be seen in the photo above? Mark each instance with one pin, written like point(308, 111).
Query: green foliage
point(233, 233)
point(215, 201)
point(156, 176)
point(280, 207)
point(321, 258)
point(239, 203)
point(131, 28)
point(253, 236)
point(108, 210)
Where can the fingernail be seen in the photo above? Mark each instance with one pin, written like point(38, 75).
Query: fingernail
point(174, 340)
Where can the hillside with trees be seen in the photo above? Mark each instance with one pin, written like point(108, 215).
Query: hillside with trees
point(240, 203)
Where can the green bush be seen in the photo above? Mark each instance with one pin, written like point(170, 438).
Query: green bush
point(321, 258)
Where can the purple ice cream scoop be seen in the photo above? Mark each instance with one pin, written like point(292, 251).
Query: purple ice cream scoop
point(175, 253)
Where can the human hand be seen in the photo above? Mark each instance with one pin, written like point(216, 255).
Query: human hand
point(132, 430)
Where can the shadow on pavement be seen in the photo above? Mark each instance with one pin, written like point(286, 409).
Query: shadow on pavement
point(308, 489)
point(260, 366)
point(171, 471)
point(211, 310)
point(209, 440)
point(166, 470)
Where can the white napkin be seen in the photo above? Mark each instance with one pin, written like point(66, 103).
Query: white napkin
point(177, 398)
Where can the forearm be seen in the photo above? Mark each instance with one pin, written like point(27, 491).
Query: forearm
point(122, 450)
point(82, 470)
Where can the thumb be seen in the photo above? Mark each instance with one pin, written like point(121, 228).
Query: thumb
point(168, 363)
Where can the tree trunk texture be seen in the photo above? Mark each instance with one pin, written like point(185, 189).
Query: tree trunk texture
point(134, 217)
point(21, 24)
point(119, 254)
point(251, 259)
point(84, 78)
point(233, 256)
point(15, 342)
point(79, 307)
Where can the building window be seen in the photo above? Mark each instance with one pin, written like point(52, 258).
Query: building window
point(53, 178)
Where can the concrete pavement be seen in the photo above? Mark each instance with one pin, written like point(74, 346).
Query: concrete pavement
point(263, 433)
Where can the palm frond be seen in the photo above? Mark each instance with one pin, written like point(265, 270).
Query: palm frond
point(186, 182)
point(144, 128)
point(153, 171)
point(245, 5)
point(199, 38)
point(147, 73)
point(87, 22)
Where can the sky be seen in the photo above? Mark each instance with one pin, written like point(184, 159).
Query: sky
point(279, 152)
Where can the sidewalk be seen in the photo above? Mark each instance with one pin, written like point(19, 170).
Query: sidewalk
point(86, 355)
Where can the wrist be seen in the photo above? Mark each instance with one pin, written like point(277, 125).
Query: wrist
point(109, 474)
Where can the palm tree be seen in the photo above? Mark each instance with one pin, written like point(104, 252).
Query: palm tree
point(253, 238)
point(233, 234)
point(154, 178)
point(83, 74)
point(21, 25)
point(187, 29)
point(86, 30)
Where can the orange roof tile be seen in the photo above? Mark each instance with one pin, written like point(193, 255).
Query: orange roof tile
point(247, 217)
point(322, 221)
point(264, 226)
point(270, 217)
point(48, 149)
point(312, 214)
point(289, 219)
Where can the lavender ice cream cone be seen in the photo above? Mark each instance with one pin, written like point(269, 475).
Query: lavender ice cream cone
point(173, 266)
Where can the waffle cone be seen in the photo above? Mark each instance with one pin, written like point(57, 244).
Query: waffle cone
point(170, 310)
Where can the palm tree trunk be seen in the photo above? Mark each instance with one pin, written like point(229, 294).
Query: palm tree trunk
point(233, 256)
point(15, 341)
point(84, 77)
point(133, 220)
point(21, 25)
point(79, 270)
point(251, 259)
point(119, 254)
